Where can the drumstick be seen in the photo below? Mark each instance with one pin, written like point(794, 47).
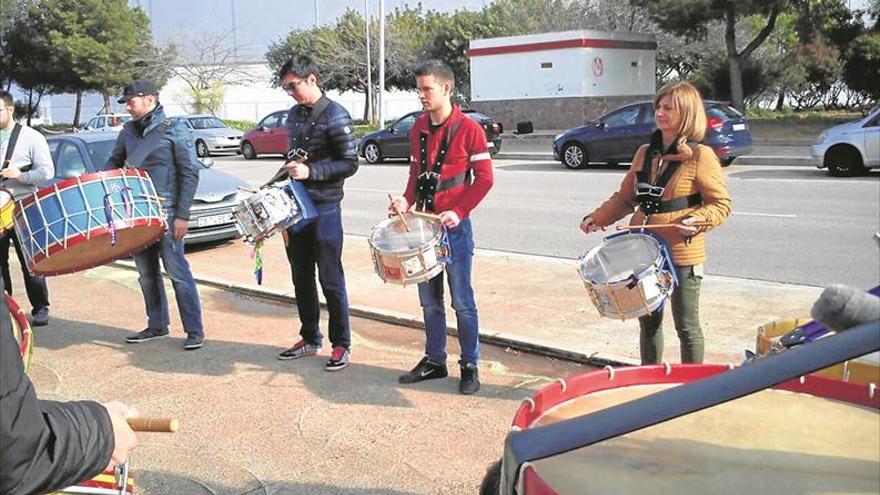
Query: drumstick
point(158, 425)
point(664, 225)
point(247, 189)
point(399, 214)
point(425, 214)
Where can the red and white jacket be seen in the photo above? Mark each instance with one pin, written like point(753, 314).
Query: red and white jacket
point(467, 151)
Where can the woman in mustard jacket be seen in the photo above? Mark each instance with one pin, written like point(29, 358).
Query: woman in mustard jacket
point(673, 180)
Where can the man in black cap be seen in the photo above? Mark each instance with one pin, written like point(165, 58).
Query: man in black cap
point(164, 150)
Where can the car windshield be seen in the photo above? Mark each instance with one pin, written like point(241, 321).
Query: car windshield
point(723, 111)
point(100, 152)
point(206, 123)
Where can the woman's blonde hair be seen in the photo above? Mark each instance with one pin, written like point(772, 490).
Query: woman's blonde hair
point(689, 103)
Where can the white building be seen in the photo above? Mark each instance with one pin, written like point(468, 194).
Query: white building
point(251, 101)
point(559, 80)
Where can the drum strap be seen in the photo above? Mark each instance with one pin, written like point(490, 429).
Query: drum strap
point(649, 193)
point(429, 183)
point(150, 142)
point(10, 146)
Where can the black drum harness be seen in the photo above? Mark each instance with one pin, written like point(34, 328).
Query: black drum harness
point(428, 182)
point(649, 193)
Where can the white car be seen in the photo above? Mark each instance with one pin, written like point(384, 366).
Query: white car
point(106, 122)
point(211, 134)
point(849, 149)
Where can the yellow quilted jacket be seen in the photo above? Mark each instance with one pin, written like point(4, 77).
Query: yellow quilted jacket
point(701, 173)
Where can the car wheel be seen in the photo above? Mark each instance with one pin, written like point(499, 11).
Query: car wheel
point(247, 151)
point(844, 161)
point(372, 153)
point(201, 149)
point(725, 162)
point(574, 156)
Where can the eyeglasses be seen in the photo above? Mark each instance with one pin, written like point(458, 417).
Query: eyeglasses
point(291, 85)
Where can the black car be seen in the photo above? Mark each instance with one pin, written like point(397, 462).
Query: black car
point(615, 137)
point(393, 142)
point(211, 214)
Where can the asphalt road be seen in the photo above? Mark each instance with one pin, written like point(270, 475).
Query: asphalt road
point(791, 224)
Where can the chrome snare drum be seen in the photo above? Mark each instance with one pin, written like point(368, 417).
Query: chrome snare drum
point(411, 252)
point(272, 209)
point(628, 275)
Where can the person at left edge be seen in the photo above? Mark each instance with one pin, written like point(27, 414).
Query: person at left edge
point(30, 164)
point(171, 163)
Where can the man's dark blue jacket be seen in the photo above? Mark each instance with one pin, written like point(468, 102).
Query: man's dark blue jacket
point(331, 146)
point(172, 165)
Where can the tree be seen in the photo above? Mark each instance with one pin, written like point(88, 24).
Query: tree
point(691, 19)
point(205, 62)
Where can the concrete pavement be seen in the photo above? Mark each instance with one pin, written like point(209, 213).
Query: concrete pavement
point(252, 424)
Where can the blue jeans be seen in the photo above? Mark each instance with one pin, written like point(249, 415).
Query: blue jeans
point(153, 287)
point(320, 244)
point(461, 243)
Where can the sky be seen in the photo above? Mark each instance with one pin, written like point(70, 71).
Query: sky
point(260, 22)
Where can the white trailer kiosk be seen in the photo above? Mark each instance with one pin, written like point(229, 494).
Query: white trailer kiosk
point(559, 80)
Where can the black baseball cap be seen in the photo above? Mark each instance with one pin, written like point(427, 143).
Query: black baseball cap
point(138, 87)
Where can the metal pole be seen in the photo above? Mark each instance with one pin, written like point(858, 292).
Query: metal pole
point(369, 65)
point(316, 13)
point(381, 64)
point(234, 37)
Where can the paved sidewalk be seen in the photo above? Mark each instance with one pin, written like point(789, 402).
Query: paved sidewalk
point(528, 302)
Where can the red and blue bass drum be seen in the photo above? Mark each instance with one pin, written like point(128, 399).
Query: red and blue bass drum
point(88, 221)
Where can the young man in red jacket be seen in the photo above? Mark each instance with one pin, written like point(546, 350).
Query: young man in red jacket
point(450, 172)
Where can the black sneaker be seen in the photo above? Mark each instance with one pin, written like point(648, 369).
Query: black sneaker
point(338, 359)
point(147, 334)
point(193, 341)
point(470, 379)
point(299, 350)
point(425, 370)
point(40, 317)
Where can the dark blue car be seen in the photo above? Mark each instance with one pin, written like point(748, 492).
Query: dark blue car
point(615, 137)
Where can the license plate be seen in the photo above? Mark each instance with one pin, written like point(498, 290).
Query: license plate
point(214, 220)
point(739, 127)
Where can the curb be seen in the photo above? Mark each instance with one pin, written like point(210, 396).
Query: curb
point(488, 336)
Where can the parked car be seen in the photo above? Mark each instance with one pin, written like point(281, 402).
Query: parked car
point(270, 136)
point(211, 134)
point(615, 137)
point(211, 215)
point(849, 149)
point(393, 141)
point(107, 122)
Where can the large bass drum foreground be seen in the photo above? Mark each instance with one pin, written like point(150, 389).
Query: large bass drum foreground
point(702, 429)
point(88, 221)
point(628, 275)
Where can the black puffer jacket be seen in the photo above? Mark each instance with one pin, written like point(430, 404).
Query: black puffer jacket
point(331, 145)
point(44, 445)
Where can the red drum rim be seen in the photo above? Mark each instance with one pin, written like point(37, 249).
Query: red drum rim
point(72, 182)
point(25, 346)
point(98, 233)
point(591, 382)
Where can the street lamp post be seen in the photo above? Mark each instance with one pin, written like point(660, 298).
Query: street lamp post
point(381, 64)
point(369, 65)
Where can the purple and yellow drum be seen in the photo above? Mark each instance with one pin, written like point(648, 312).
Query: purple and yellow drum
point(116, 481)
point(88, 221)
point(814, 435)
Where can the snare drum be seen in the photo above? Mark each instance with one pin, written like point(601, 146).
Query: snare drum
point(88, 221)
point(864, 370)
point(7, 210)
point(273, 209)
point(796, 438)
point(116, 481)
point(628, 275)
point(21, 330)
point(402, 256)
